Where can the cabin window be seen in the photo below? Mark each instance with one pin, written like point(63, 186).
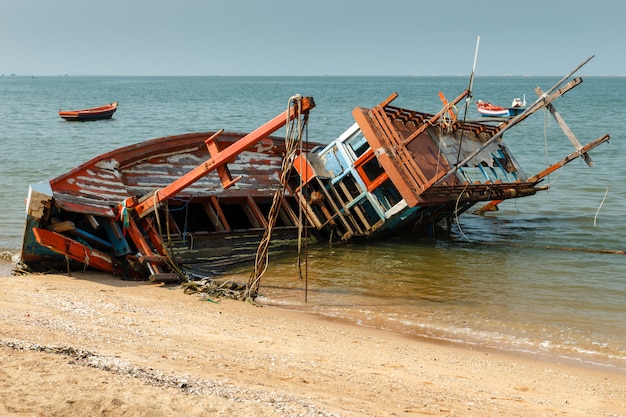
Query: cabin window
point(372, 169)
point(347, 188)
point(365, 214)
point(358, 144)
point(387, 194)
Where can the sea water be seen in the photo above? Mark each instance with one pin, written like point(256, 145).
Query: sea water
point(544, 275)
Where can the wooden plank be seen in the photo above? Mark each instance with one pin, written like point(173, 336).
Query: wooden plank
point(447, 105)
point(223, 172)
point(405, 160)
point(255, 215)
point(91, 238)
point(75, 250)
point(221, 159)
point(359, 213)
point(287, 211)
point(62, 226)
point(404, 186)
point(565, 128)
point(93, 221)
point(213, 216)
point(435, 118)
point(493, 205)
point(220, 214)
point(166, 277)
point(141, 243)
point(329, 208)
point(569, 158)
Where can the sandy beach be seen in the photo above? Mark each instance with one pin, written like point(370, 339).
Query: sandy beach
point(90, 344)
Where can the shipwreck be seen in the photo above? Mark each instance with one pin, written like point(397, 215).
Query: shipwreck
point(182, 207)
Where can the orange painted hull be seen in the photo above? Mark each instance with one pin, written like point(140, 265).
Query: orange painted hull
point(95, 113)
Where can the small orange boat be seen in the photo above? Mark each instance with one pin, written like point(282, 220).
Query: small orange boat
point(96, 113)
point(491, 110)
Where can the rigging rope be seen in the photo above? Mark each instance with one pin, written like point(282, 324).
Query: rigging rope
point(606, 192)
point(595, 218)
point(460, 131)
point(169, 259)
point(446, 120)
point(303, 229)
point(293, 137)
point(547, 122)
point(456, 212)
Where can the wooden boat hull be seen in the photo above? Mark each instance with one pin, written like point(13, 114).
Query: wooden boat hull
point(81, 203)
point(96, 113)
point(161, 210)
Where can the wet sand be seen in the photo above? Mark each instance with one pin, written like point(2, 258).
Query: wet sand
point(93, 345)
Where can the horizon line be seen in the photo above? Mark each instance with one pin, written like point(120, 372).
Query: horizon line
point(11, 75)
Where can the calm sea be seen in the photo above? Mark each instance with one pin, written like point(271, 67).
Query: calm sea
point(541, 276)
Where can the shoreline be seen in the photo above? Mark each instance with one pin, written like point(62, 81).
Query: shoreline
point(540, 357)
point(550, 353)
point(91, 343)
point(583, 361)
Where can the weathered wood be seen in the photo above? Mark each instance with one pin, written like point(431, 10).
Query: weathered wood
point(155, 259)
point(569, 158)
point(223, 223)
point(74, 250)
point(92, 220)
point(568, 132)
point(253, 212)
point(62, 226)
point(493, 205)
point(540, 103)
point(166, 277)
point(222, 171)
point(447, 105)
point(221, 159)
point(435, 117)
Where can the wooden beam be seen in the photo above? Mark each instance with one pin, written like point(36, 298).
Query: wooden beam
point(568, 132)
point(221, 159)
point(61, 227)
point(504, 126)
point(569, 158)
point(493, 205)
point(432, 120)
point(223, 172)
point(75, 250)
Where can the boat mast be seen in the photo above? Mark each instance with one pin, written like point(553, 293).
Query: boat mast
point(471, 83)
point(468, 99)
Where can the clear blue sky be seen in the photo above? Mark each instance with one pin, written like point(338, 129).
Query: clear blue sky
point(317, 37)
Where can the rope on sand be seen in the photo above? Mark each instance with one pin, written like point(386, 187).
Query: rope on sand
point(216, 289)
